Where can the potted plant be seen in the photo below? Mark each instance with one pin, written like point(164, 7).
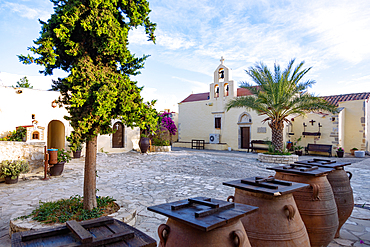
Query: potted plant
point(298, 150)
point(353, 150)
point(63, 157)
point(10, 170)
point(340, 152)
point(76, 150)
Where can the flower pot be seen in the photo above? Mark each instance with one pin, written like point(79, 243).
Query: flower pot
point(9, 180)
point(144, 144)
point(340, 154)
point(298, 152)
point(57, 169)
point(359, 154)
point(77, 154)
point(353, 151)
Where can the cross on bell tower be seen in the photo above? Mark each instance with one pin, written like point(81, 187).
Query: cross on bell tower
point(222, 60)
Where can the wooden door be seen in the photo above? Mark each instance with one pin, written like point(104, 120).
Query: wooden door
point(245, 137)
point(117, 141)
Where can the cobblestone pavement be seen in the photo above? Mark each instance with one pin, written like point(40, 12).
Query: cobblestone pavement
point(155, 178)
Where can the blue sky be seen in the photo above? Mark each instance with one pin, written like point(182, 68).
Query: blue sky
point(332, 37)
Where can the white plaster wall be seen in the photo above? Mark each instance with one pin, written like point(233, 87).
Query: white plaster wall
point(17, 109)
point(329, 129)
point(354, 125)
point(131, 141)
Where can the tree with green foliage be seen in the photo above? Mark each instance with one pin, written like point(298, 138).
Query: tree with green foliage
point(89, 40)
point(278, 95)
point(23, 82)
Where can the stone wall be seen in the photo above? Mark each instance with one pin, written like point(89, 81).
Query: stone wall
point(281, 159)
point(32, 152)
point(160, 148)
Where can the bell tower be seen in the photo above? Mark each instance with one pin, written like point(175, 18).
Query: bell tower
point(223, 86)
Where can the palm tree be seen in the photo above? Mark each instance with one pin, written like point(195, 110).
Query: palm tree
point(278, 95)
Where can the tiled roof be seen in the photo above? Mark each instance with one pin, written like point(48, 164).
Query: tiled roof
point(335, 99)
point(196, 97)
point(205, 96)
point(243, 92)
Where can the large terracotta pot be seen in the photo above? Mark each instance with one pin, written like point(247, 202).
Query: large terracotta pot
point(9, 180)
point(177, 234)
point(57, 169)
point(317, 207)
point(343, 194)
point(144, 144)
point(276, 223)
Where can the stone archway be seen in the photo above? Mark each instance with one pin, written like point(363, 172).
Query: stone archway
point(56, 134)
point(244, 123)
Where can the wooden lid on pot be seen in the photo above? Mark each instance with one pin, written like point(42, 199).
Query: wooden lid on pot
point(269, 186)
point(203, 213)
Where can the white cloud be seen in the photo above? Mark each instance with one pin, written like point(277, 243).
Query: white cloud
point(197, 87)
point(27, 12)
point(163, 101)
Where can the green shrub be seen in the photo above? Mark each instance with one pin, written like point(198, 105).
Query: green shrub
point(159, 142)
point(13, 168)
point(71, 209)
point(16, 135)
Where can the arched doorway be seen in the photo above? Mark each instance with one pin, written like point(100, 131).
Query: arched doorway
point(118, 136)
point(56, 135)
point(244, 122)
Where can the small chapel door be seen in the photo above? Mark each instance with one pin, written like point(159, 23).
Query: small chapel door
point(117, 140)
point(245, 137)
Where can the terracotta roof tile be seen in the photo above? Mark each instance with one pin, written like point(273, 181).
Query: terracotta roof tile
point(335, 99)
point(196, 97)
point(243, 92)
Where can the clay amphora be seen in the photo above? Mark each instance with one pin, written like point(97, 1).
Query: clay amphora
point(317, 207)
point(343, 194)
point(178, 234)
point(276, 223)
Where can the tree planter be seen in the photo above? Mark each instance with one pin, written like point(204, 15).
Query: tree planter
point(9, 180)
point(340, 154)
point(144, 144)
point(77, 154)
point(57, 169)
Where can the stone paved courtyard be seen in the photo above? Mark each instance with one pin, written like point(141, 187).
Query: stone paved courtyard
point(139, 181)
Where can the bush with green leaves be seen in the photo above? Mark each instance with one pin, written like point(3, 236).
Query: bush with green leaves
point(12, 168)
point(71, 209)
point(63, 156)
point(16, 135)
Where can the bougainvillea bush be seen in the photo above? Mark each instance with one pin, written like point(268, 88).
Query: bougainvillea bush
point(168, 123)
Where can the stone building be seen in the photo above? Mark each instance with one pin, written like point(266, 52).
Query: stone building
point(203, 117)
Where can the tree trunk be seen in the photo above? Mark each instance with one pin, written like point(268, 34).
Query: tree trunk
point(277, 135)
point(90, 175)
